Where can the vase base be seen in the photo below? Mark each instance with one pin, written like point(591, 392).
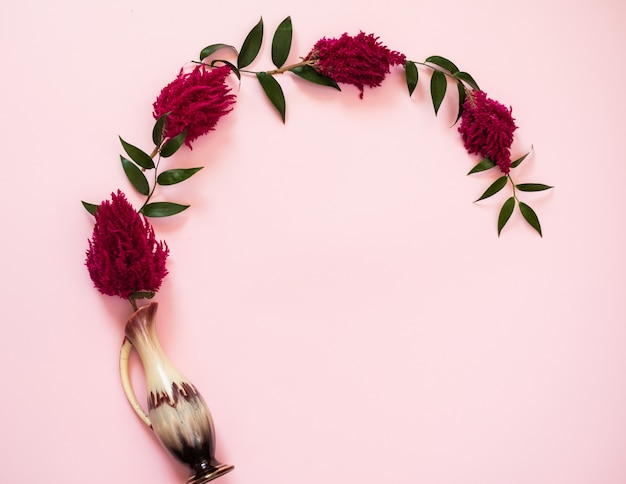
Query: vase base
point(209, 474)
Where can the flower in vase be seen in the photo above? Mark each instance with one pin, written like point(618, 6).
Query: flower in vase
point(124, 257)
point(487, 129)
point(361, 60)
point(196, 101)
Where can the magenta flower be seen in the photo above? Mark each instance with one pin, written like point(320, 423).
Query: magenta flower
point(487, 129)
point(361, 60)
point(196, 101)
point(124, 256)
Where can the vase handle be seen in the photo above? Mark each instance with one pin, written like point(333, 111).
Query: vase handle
point(127, 347)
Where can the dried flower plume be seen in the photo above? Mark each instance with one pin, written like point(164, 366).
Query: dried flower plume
point(124, 256)
point(487, 129)
point(361, 60)
point(196, 101)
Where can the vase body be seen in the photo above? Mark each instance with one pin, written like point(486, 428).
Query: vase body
point(176, 412)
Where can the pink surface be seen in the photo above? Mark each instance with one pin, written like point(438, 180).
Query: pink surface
point(346, 310)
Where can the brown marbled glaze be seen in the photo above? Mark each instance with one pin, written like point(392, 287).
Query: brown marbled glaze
point(183, 390)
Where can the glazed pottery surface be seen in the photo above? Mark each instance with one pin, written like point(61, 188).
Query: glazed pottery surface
point(177, 412)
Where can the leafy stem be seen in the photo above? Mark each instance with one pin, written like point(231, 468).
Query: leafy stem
point(140, 161)
point(514, 194)
point(157, 150)
point(282, 70)
point(461, 78)
point(513, 201)
point(436, 68)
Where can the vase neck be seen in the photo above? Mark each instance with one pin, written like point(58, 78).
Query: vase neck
point(141, 332)
point(141, 326)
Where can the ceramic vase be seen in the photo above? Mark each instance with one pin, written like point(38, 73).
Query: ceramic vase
point(176, 412)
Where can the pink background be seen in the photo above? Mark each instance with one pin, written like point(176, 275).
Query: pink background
point(346, 310)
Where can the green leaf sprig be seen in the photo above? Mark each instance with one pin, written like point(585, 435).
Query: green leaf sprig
point(443, 70)
point(281, 47)
point(139, 162)
point(509, 205)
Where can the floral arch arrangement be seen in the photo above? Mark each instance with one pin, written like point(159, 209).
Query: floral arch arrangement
point(124, 257)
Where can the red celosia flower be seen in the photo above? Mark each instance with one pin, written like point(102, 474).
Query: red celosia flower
point(361, 60)
point(487, 129)
point(196, 101)
point(124, 256)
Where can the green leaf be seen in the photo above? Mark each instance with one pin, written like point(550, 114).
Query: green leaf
point(438, 86)
point(171, 145)
point(494, 188)
point(232, 66)
point(251, 46)
point(135, 176)
point(273, 91)
point(484, 164)
point(462, 96)
point(90, 207)
point(157, 131)
point(211, 49)
point(308, 73)
point(137, 155)
point(411, 74)
point(530, 216)
point(163, 209)
point(505, 213)
point(518, 162)
point(443, 63)
point(142, 295)
point(464, 76)
point(281, 43)
point(532, 187)
point(177, 175)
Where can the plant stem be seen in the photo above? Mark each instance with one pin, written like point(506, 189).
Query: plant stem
point(155, 151)
point(280, 70)
point(446, 73)
point(513, 185)
point(436, 68)
point(154, 185)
